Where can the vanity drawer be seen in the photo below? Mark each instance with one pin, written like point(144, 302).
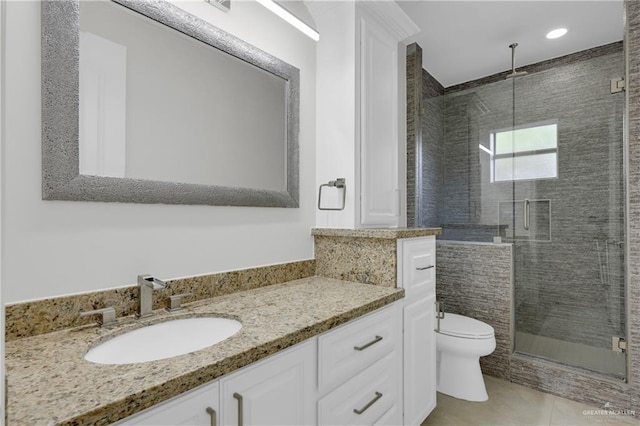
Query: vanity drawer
point(417, 266)
point(373, 393)
point(349, 349)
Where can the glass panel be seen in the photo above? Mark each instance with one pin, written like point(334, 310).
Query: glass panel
point(503, 169)
point(569, 289)
point(538, 166)
point(527, 139)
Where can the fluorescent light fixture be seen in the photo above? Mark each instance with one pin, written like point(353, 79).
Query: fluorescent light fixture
point(290, 18)
point(557, 33)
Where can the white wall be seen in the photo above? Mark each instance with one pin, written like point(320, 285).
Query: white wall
point(54, 248)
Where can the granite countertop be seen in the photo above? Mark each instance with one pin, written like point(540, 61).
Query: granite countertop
point(383, 233)
point(50, 382)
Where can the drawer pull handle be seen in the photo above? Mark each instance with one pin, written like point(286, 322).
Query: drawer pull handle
point(212, 413)
point(369, 404)
point(425, 268)
point(237, 396)
point(373, 342)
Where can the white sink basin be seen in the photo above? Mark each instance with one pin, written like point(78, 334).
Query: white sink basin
point(164, 340)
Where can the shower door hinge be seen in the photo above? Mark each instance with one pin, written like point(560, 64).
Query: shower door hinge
point(618, 344)
point(617, 85)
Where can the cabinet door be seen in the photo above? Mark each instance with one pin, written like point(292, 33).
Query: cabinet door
point(198, 407)
point(419, 360)
point(417, 267)
point(277, 391)
point(379, 175)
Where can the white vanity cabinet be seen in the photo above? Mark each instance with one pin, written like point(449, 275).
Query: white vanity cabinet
point(379, 150)
point(416, 274)
point(332, 379)
point(380, 102)
point(277, 391)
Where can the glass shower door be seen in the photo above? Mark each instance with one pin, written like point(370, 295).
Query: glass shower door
point(563, 155)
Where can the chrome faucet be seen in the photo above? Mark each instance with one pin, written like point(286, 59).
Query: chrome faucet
point(146, 285)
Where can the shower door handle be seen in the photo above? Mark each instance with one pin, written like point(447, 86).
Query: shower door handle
point(527, 211)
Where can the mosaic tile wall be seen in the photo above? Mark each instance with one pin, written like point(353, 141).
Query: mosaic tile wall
point(433, 151)
point(414, 137)
point(425, 151)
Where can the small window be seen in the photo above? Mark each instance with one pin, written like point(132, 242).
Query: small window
point(524, 153)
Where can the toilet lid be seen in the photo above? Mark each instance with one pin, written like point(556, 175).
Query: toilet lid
point(461, 326)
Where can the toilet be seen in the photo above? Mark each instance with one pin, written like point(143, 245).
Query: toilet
point(460, 342)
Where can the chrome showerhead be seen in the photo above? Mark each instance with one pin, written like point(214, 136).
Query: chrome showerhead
point(514, 73)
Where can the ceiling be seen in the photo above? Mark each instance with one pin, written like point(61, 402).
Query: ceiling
point(465, 40)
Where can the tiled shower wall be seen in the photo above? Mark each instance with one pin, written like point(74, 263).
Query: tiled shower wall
point(414, 137)
point(433, 154)
point(425, 152)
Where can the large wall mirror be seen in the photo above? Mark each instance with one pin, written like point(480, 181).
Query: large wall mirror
point(145, 103)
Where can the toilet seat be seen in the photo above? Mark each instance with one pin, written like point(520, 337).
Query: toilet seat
point(468, 328)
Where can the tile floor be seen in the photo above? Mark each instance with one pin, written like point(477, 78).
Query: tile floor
point(511, 404)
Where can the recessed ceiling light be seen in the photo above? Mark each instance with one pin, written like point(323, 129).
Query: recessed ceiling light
point(557, 33)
